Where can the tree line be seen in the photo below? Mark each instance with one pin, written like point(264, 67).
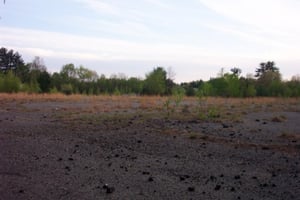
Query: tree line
point(33, 77)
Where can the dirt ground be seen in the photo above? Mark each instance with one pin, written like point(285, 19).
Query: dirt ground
point(57, 147)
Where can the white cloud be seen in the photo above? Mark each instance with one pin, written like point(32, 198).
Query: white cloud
point(100, 6)
point(53, 44)
point(281, 16)
point(159, 3)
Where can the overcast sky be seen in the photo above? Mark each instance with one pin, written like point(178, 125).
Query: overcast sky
point(194, 37)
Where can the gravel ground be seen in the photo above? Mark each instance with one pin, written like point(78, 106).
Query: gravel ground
point(63, 150)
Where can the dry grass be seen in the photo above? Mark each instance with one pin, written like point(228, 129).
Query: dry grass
point(125, 103)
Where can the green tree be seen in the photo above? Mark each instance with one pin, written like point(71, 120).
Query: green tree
point(68, 72)
point(155, 82)
point(268, 79)
point(44, 81)
point(86, 75)
point(9, 60)
point(269, 66)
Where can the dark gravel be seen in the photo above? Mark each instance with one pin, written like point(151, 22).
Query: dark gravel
point(44, 154)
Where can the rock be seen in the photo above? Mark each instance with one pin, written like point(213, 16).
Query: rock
point(191, 189)
point(237, 177)
point(68, 168)
point(183, 177)
point(109, 189)
point(218, 187)
point(225, 126)
point(150, 179)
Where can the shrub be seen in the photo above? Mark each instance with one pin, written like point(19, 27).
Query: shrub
point(67, 89)
point(9, 83)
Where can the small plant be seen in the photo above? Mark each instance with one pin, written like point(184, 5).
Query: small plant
point(202, 116)
point(168, 107)
point(213, 113)
point(178, 94)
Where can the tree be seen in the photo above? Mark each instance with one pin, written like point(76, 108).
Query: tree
point(86, 75)
point(155, 82)
point(44, 81)
point(236, 71)
point(269, 79)
point(269, 66)
point(37, 65)
point(68, 71)
point(9, 60)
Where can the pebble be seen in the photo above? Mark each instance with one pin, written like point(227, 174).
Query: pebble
point(150, 179)
point(218, 187)
point(109, 189)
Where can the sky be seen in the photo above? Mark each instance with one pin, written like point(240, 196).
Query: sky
point(195, 38)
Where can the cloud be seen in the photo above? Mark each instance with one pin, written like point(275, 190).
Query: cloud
point(100, 6)
point(53, 44)
point(280, 16)
point(159, 3)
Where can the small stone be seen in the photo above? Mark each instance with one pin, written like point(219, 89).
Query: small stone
point(218, 187)
point(108, 188)
point(225, 126)
point(150, 179)
point(237, 177)
point(191, 189)
point(232, 189)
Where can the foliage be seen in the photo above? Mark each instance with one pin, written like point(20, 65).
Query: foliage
point(155, 83)
point(9, 83)
point(67, 89)
point(9, 60)
point(33, 77)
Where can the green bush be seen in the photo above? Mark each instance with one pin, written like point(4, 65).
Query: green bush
point(67, 89)
point(9, 83)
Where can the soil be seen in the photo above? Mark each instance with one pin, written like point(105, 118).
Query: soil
point(100, 149)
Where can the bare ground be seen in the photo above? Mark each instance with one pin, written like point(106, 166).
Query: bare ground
point(129, 148)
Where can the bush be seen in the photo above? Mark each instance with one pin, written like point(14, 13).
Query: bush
point(67, 89)
point(9, 83)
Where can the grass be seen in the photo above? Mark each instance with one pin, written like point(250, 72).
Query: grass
point(215, 108)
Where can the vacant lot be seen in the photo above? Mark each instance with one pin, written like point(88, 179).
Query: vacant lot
point(128, 147)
